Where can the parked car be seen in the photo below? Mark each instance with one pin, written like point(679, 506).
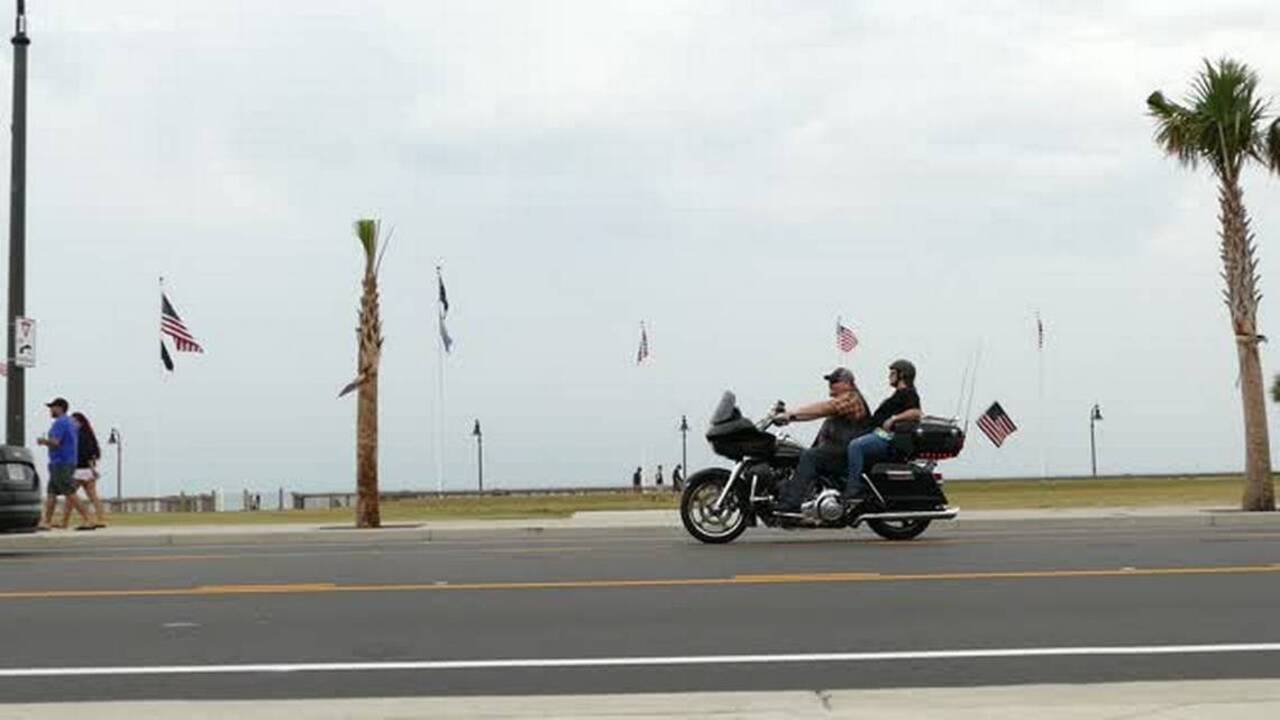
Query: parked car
point(20, 496)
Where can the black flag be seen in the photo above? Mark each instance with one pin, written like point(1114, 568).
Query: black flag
point(164, 357)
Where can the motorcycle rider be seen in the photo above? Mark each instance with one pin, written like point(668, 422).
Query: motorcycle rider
point(902, 406)
point(846, 417)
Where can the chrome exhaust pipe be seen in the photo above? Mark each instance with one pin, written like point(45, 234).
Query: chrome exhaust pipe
point(943, 514)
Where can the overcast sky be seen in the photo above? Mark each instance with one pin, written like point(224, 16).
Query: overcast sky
point(736, 174)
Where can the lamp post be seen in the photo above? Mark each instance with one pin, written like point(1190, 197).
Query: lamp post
point(1094, 416)
point(684, 446)
point(15, 386)
point(479, 455)
point(118, 440)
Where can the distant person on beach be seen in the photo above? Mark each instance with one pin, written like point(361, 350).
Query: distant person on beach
point(657, 478)
point(62, 440)
point(635, 479)
point(677, 478)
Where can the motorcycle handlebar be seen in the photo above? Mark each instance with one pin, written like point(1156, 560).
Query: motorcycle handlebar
point(778, 408)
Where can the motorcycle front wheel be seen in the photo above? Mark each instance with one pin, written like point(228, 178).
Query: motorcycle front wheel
point(898, 529)
point(697, 508)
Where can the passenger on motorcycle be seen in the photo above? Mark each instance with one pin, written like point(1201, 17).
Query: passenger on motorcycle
point(846, 418)
point(902, 406)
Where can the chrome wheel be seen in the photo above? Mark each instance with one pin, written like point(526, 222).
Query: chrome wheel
point(703, 519)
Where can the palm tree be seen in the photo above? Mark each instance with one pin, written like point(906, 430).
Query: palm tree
point(1222, 124)
point(369, 335)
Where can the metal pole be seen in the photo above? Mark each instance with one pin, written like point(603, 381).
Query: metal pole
point(479, 436)
point(15, 430)
point(119, 466)
point(684, 445)
point(1093, 446)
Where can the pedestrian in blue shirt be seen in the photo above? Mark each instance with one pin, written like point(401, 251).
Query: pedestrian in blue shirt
point(63, 455)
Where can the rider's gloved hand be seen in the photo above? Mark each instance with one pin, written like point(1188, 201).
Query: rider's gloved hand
point(781, 419)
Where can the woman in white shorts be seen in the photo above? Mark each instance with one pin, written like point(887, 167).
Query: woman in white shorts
point(86, 475)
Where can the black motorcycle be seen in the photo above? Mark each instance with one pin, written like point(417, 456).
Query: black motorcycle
point(906, 494)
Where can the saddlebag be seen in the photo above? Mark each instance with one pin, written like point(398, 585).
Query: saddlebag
point(932, 438)
point(907, 487)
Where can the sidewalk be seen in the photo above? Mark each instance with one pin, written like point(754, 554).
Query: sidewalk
point(1180, 700)
point(1114, 517)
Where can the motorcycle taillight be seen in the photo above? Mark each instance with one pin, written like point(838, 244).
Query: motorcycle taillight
point(937, 477)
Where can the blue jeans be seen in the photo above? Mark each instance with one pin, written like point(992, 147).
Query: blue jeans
point(863, 451)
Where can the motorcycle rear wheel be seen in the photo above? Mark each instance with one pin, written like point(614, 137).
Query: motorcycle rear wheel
point(898, 529)
point(698, 516)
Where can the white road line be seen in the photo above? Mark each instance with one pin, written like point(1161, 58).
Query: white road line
point(543, 663)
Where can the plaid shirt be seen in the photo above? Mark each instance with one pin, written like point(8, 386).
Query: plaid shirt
point(850, 405)
point(847, 417)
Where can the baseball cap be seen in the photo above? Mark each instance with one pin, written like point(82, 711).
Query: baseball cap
point(58, 402)
point(840, 374)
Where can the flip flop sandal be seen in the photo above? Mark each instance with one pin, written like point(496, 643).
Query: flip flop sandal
point(85, 527)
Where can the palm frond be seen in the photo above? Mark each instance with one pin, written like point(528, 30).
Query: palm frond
point(1218, 122)
point(1177, 129)
point(382, 254)
point(1271, 146)
point(1224, 96)
point(367, 234)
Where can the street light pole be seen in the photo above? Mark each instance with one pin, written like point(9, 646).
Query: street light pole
point(15, 386)
point(1094, 415)
point(479, 455)
point(684, 445)
point(118, 440)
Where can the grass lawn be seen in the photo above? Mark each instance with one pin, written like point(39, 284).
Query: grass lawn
point(1218, 492)
point(492, 507)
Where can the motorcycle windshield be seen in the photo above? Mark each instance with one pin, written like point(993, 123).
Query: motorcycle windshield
point(727, 409)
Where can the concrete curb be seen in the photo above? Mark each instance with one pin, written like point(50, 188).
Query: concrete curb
point(1176, 700)
point(595, 522)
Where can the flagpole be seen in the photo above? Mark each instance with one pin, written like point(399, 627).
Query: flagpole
point(440, 416)
point(973, 384)
point(156, 420)
point(1044, 435)
point(440, 351)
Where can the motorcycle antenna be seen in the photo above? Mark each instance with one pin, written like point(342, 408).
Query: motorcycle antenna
point(973, 383)
point(964, 385)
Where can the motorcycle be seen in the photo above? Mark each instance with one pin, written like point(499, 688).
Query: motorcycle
point(905, 496)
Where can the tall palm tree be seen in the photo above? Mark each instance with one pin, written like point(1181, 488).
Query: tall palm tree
point(1222, 124)
point(369, 335)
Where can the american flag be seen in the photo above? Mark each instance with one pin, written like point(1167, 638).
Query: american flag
point(172, 325)
point(846, 341)
point(996, 424)
point(643, 352)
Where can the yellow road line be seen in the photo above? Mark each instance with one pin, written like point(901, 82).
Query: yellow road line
point(767, 579)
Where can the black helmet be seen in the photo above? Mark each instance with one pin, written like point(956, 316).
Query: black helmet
point(906, 371)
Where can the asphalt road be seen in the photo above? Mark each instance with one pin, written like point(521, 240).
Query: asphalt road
point(640, 611)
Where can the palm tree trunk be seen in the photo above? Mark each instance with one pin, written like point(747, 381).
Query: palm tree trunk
point(1240, 273)
point(1259, 491)
point(368, 514)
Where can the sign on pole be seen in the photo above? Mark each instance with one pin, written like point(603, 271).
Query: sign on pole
point(24, 342)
